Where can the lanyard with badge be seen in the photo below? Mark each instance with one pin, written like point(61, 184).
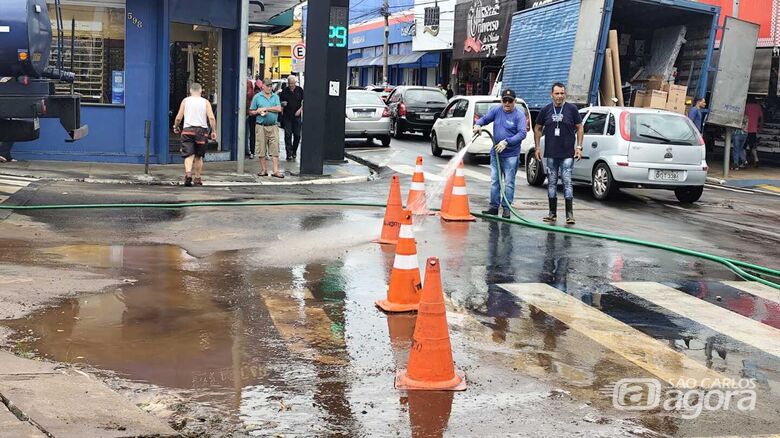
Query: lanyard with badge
point(557, 118)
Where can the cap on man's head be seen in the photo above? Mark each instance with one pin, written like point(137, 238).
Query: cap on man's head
point(268, 82)
point(509, 93)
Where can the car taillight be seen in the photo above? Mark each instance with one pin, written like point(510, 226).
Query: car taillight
point(386, 112)
point(402, 110)
point(701, 140)
point(625, 129)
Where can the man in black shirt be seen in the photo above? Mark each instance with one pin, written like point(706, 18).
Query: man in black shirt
point(292, 108)
point(561, 125)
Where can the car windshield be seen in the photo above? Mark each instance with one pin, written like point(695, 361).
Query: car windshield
point(663, 129)
point(363, 98)
point(482, 108)
point(425, 97)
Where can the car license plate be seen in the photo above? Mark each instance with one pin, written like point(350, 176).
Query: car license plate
point(364, 115)
point(667, 175)
point(426, 116)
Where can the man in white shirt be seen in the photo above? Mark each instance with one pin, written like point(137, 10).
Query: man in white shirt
point(198, 116)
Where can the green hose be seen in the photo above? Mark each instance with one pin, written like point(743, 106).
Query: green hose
point(734, 265)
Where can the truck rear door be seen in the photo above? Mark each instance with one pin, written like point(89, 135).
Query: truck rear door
point(553, 43)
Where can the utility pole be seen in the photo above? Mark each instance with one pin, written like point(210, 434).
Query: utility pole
point(243, 50)
point(386, 14)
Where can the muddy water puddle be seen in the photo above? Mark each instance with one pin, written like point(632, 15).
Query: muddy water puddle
point(298, 348)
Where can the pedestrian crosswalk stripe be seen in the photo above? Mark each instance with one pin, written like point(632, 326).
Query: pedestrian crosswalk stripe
point(734, 325)
point(409, 170)
point(472, 174)
point(638, 348)
point(11, 184)
point(755, 288)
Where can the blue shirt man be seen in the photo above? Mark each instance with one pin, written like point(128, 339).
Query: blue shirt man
point(509, 131)
point(266, 107)
point(695, 114)
point(262, 101)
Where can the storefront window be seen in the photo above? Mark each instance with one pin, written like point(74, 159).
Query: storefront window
point(98, 55)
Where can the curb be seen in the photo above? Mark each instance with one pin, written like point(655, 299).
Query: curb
point(155, 182)
point(360, 160)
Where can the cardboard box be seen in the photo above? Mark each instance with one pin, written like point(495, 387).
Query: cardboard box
point(640, 99)
point(656, 99)
point(655, 83)
point(675, 100)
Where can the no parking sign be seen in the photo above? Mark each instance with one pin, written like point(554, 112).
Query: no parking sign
point(298, 52)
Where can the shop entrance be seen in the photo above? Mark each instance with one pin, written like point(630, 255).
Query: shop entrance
point(195, 56)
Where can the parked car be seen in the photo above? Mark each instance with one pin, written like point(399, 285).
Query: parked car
point(414, 109)
point(367, 117)
point(383, 90)
point(636, 147)
point(452, 130)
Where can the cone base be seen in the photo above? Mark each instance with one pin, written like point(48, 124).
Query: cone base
point(389, 307)
point(385, 241)
point(453, 218)
point(457, 383)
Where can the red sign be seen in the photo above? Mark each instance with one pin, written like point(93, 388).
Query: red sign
point(754, 11)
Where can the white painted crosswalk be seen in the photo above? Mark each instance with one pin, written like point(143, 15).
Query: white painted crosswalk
point(644, 351)
point(11, 184)
point(734, 325)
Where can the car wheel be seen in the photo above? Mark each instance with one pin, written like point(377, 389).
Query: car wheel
point(396, 131)
point(435, 149)
point(534, 172)
point(385, 139)
point(688, 195)
point(603, 185)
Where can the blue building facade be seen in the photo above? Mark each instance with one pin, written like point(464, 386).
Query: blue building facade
point(142, 67)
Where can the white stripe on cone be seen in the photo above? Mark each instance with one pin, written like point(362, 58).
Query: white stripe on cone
point(458, 172)
point(459, 191)
point(405, 262)
point(418, 169)
point(406, 232)
point(418, 186)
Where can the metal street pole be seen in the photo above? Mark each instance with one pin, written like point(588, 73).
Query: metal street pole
point(386, 13)
point(243, 53)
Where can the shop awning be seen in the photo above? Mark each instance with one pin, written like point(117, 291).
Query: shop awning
point(271, 16)
point(373, 61)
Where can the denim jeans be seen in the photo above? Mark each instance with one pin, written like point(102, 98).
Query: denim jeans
point(738, 152)
point(509, 173)
point(559, 168)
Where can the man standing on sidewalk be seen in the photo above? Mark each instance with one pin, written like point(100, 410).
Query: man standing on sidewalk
point(509, 131)
point(561, 125)
point(755, 121)
point(251, 120)
point(198, 117)
point(266, 107)
point(292, 102)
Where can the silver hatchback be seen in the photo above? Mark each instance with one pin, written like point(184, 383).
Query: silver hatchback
point(635, 147)
point(367, 117)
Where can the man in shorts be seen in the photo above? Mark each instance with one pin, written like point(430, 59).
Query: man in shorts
point(198, 116)
point(267, 106)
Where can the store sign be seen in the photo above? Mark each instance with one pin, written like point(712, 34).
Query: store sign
point(434, 25)
point(482, 28)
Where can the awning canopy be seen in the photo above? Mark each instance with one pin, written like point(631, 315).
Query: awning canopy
point(372, 61)
point(271, 16)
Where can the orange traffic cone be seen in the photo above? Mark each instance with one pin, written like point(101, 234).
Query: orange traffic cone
point(457, 209)
point(430, 359)
point(415, 201)
point(403, 295)
point(392, 223)
point(447, 195)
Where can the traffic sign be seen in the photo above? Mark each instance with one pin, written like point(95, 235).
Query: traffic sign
point(299, 51)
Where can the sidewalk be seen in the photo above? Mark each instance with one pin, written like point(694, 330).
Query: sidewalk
point(763, 179)
point(39, 399)
point(214, 173)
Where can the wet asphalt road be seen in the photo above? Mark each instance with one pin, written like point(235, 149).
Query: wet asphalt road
point(261, 321)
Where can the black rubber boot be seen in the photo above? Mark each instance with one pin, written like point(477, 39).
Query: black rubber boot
point(552, 216)
point(491, 211)
point(570, 212)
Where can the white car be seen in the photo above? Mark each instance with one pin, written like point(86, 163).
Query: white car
point(635, 147)
point(453, 128)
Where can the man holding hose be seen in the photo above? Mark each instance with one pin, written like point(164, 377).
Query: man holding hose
point(509, 131)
